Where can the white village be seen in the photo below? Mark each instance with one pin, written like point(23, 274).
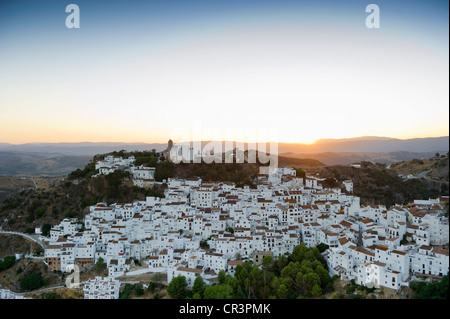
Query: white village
point(200, 228)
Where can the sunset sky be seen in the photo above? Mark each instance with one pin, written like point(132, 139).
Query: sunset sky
point(144, 71)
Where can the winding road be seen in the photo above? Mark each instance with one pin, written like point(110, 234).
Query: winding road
point(422, 174)
point(33, 238)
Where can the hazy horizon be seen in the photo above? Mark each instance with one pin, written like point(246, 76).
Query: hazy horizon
point(165, 142)
point(287, 71)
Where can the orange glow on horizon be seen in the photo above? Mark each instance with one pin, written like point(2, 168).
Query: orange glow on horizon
point(55, 136)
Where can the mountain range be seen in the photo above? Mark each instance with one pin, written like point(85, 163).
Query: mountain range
point(61, 158)
point(370, 144)
point(358, 144)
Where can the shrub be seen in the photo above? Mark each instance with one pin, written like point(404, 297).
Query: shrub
point(32, 281)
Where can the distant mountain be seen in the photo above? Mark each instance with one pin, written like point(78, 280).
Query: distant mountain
point(58, 159)
point(369, 148)
point(84, 148)
point(62, 158)
point(358, 144)
point(361, 138)
point(369, 144)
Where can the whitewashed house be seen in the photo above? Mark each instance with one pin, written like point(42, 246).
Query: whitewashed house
point(189, 273)
point(430, 261)
point(215, 262)
point(348, 185)
point(101, 288)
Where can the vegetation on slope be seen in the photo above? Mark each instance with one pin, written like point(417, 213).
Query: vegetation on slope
point(433, 290)
point(437, 167)
point(302, 274)
point(376, 184)
point(32, 208)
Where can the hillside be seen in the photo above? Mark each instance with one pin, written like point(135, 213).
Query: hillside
point(10, 185)
point(21, 268)
point(346, 158)
point(58, 198)
point(32, 208)
point(285, 161)
point(11, 244)
point(70, 197)
point(39, 164)
point(435, 168)
point(376, 184)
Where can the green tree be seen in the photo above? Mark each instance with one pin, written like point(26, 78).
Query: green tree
point(204, 244)
point(291, 270)
point(300, 284)
point(433, 290)
point(100, 265)
point(51, 295)
point(31, 281)
point(310, 279)
point(221, 276)
point(7, 262)
point(316, 291)
point(219, 292)
point(279, 264)
point(151, 287)
point(322, 247)
point(138, 290)
point(46, 229)
point(38, 251)
point(177, 287)
point(267, 263)
point(198, 287)
point(126, 292)
point(329, 183)
point(302, 274)
point(299, 253)
point(282, 291)
point(323, 275)
point(237, 289)
point(300, 173)
point(256, 277)
point(404, 240)
point(164, 170)
point(39, 212)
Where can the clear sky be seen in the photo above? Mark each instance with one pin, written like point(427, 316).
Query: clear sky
point(141, 71)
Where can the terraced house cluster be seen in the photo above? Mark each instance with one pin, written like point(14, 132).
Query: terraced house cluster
point(200, 228)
